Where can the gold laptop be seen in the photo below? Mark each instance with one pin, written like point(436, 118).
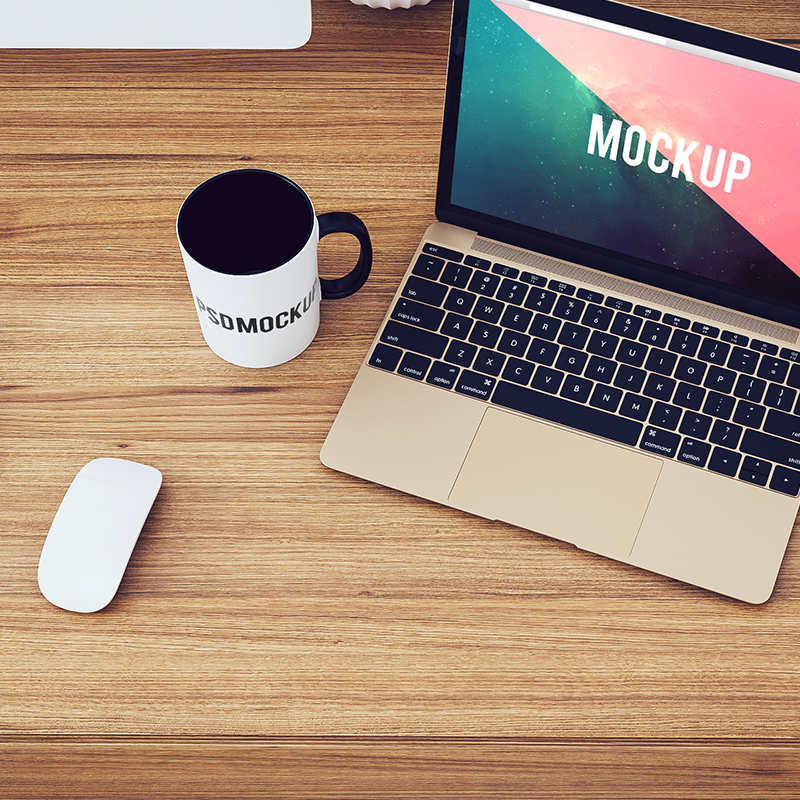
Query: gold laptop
point(598, 339)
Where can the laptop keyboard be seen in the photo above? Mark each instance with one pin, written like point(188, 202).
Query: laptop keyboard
point(665, 384)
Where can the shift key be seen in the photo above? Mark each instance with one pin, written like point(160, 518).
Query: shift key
point(414, 339)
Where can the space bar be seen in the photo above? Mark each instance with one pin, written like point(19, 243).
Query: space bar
point(564, 412)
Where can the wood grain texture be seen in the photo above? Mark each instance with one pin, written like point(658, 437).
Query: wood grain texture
point(284, 630)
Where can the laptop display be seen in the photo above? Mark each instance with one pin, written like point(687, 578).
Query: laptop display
point(652, 149)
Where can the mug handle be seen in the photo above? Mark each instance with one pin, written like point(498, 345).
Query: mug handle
point(345, 222)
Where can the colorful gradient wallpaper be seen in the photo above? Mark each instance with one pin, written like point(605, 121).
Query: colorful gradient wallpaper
point(658, 153)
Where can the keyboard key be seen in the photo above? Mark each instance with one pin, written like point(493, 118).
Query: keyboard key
point(545, 327)
point(665, 416)
point(676, 322)
point(661, 361)
point(751, 389)
point(758, 478)
point(725, 434)
point(570, 360)
point(540, 300)
point(456, 326)
point(512, 292)
point(749, 414)
point(484, 334)
point(757, 465)
point(590, 296)
point(442, 252)
point(690, 370)
point(556, 409)
point(786, 481)
point(771, 448)
point(632, 353)
point(418, 314)
point(576, 389)
point(476, 385)
point(424, 291)
point(689, 396)
point(790, 355)
point(723, 461)
point(597, 317)
point(635, 406)
point(460, 301)
point(414, 366)
point(600, 369)
point(385, 357)
point(546, 379)
point(606, 398)
point(696, 426)
point(569, 308)
point(780, 397)
point(513, 344)
point(647, 313)
point(626, 325)
point(719, 405)
point(705, 330)
point(488, 310)
point(720, 380)
point(713, 351)
point(542, 352)
point(684, 343)
point(662, 443)
point(573, 335)
point(629, 378)
point(477, 263)
point(417, 340)
point(693, 452)
point(618, 305)
point(505, 271)
point(782, 424)
point(602, 344)
point(764, 347)
point(443, 375)
point(532, 279)
point(518, 371)
point(773, 369)
point(517, 319)
point(484, 284)
point(655, 334)
point(561, 287)
point(735, 338)
point(457, 275)
point(428, 267)
point(489, 362)
point(460, 353)
point(659, 388)
point(743, 360)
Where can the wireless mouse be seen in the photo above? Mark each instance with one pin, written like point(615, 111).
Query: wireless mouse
point(94, 532)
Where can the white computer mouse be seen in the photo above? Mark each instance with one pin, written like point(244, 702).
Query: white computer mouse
point(94, 533)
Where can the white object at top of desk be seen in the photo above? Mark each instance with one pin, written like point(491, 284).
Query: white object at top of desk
point(155, 24)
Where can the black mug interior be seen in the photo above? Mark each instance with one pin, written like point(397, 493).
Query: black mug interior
point(245, 222)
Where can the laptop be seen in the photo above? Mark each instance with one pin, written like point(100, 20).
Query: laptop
point(155, 24)
point(597, 340)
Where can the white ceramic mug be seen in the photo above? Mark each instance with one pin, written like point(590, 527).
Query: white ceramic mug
point(249, 243)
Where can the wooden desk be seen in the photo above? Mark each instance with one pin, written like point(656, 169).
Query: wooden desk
point(284, 630)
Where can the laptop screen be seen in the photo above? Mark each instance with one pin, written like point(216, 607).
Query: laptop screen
point(632, 146)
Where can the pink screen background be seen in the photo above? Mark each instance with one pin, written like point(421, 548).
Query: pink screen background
point(698, 99)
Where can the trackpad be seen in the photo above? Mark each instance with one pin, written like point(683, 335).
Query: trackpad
point(562, 484)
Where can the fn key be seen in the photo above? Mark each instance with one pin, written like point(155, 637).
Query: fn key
point(385, 357)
